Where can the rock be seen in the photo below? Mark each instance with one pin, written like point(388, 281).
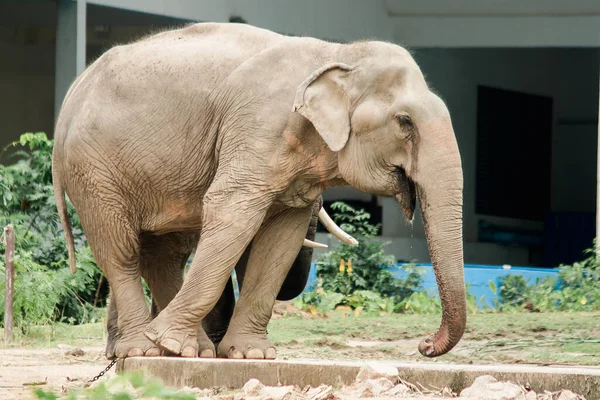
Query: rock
point(531, 395)
point(71, 351)
point(568, 395)
point(374, 370)
point(320, 393)
point(488, 388)
point(398, 390)
point(253, 387)
point(276, 392)
point(375, 387)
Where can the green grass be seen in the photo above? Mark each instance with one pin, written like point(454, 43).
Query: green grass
point(564, 338)
point(48, 336)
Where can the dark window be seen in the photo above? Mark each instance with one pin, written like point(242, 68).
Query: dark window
point(514, 150)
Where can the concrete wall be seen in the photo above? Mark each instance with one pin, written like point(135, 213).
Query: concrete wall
point(569, 76)
point(26, 90)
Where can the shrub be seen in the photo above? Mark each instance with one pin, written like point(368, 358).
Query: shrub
point(45, 289)
point(576, 289)
point(360, 276)
point(513, 290)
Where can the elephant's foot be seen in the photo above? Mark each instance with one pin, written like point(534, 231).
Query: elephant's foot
point(206, 347)
point(246, 346)
point(111, 346)
point(173, 339)
point(133, 345)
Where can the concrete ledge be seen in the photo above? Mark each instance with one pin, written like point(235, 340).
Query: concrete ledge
point(208, 373)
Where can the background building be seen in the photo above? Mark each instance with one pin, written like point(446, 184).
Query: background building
point(520, 79)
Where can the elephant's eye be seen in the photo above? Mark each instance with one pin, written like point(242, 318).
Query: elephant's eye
point(404, 120)
point(407, 125)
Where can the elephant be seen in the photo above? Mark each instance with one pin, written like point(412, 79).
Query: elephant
point(235, 131)
point(173, 252)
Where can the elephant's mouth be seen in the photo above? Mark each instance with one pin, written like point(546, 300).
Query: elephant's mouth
point(407, 194)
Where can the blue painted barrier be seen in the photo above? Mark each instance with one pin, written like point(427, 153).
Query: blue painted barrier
point(476, 276)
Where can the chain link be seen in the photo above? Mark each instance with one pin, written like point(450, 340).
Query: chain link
point(94, 379)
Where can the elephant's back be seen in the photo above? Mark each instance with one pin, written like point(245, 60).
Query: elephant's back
point(145, 95)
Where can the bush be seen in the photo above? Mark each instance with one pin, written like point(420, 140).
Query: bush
point(576, 289)
point(45, 289)
point(360, 276)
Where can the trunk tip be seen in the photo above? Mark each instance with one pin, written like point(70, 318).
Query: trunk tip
point(427, 347)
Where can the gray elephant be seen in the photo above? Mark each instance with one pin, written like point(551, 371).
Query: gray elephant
point(235, 131)
point(173, 251)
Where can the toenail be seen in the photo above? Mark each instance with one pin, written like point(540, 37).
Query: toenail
point(189, 352)
point(172, 345)
point(234, 353)
point(255, 354)
point(271, 353)
point(207, 353)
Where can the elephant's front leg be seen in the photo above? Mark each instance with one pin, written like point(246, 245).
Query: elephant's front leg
point(230, 221)
point(273, 251)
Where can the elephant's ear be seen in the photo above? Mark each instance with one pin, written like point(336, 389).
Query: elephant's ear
point(322, 99)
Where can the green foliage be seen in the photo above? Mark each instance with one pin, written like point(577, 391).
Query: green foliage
point(576, 289)
point(45, 289)
point(513, 290)
point(366, 267)
point(359, 277)
point(127, 386)
point(422, 303)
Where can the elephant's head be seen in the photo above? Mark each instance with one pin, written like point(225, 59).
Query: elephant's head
point(393, 137)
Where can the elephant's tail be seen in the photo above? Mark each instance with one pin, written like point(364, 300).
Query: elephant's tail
point(61, 206)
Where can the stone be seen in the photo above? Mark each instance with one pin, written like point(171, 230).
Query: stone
point(568, 395)
point(398, 390)
point(486, 387)
point(318, 393)
point(531, 395)
point(374, 370)
point(374, 387)
point(253, 387)
point(276, 392)
point(71, 351)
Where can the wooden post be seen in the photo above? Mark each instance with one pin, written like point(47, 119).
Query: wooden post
point(9, 256)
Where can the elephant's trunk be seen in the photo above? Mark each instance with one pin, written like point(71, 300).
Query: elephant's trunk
point(440, 192)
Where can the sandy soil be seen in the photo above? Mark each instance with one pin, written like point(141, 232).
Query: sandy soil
point(23, 369)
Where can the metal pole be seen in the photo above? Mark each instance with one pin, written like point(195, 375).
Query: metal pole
point(9, 256)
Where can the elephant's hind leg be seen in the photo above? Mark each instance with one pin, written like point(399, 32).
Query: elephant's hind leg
point(116, 248)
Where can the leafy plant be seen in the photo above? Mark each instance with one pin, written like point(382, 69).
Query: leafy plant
point(513, 290)
point(421, 303)
point(364, 268)
point(45, 290)
point(127, 386)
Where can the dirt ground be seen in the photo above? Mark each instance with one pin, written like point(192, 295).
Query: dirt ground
point(23, 369)
point(39, 359)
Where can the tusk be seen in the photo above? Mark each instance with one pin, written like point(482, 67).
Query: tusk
point(314, 245)
point(334, 229)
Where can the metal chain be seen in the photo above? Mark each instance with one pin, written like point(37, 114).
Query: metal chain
point(94, 379)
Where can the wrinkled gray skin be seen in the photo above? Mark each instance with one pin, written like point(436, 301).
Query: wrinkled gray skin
point(235, 131)
point(173, 250)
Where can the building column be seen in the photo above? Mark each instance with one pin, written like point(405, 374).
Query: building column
point(70, 47)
